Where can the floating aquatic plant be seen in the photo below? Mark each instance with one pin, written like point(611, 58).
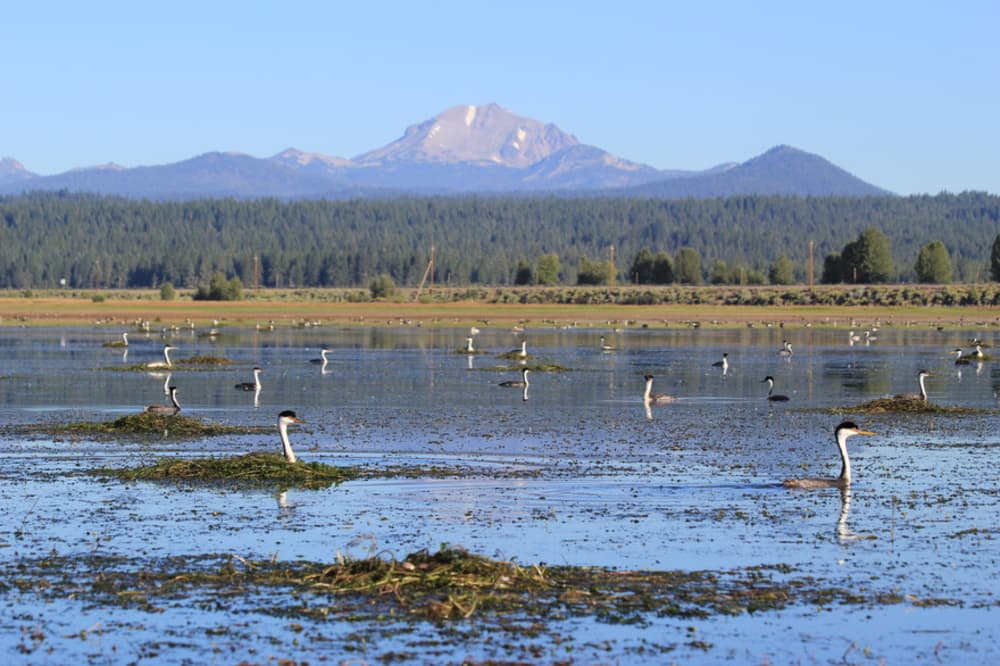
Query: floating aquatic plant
point(203, 360)
point(252, 469)
point(906, 406)
point(450, 585)
point(148, 423)
point(536, 367)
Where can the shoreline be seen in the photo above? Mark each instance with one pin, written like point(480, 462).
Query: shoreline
point(132, 311)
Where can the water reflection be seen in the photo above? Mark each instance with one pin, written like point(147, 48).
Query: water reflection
point(844, 533)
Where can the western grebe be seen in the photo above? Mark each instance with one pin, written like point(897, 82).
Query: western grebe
point(251, 386)
point(520, 354)
point(921, 376)
point(284, 418)
point(979, 350)
point(517, 383)
point(468, 346)
point(959, 359)
point(473, 330)
point(322, 360)
point(841, 433)
point(166, 409)
point(724, 363)
point(651, 398)
point(773, 397)
point(786, 349)
point(165, 363)
point(119, 343)
point(605, 346)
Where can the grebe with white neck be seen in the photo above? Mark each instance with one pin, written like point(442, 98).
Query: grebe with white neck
point(251, 386)
point(771, 395)
point(921, 376)
point(119, 343)
point(840, 433)
point(724, 363)
point(517, 383)
point(650, 398)
point(165, 363)
point(522, 352)
point(166, 409)
point(322, 360)
point(284, 419)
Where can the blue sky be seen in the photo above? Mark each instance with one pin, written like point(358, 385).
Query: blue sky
point(903, 94)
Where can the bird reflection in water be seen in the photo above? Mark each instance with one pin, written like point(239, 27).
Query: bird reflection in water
point(843, 529)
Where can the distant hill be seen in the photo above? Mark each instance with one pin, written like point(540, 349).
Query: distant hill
point(464, 149)
point(12, 171)
point(782, 170)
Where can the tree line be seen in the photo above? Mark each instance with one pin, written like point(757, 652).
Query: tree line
point(86, 241)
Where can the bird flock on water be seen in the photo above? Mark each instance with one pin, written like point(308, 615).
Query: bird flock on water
point(842, 431)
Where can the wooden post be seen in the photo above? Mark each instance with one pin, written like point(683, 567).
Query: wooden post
point(611, 275)
point(810, 265)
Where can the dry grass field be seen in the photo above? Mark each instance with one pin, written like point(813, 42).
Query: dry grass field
point(453, 307)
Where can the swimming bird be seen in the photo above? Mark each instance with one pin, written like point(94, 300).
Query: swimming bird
point(251, 386)
point(284, 419)
point(979, 350)
point(166, 409)
point(605, 346)
point(921, 376)
point(651, 398)
point(119, 343)
point(773, 397)
point(786, 349)
point(165, 363)
point(724, 363)
point(522, 352)
point(468, 346)
point(959, 359)
point(322, 353)
point(841, 433)
point(517, 383)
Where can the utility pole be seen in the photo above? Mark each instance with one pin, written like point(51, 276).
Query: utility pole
point(429, 271)
point(810, 265)
point(611, 277)
point(256, 275)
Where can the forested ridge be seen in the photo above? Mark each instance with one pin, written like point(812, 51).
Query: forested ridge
point(98, 241)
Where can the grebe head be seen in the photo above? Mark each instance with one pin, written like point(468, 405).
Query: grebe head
point(849, 429)
point(284, 419)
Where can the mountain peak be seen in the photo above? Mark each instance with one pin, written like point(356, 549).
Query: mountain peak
point(12, 171)
point(298, 158)
point(485, 135)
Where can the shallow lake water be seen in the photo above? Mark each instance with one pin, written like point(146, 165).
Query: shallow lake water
point(576, 471)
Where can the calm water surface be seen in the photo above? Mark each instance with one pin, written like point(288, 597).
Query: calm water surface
point(579, 472)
